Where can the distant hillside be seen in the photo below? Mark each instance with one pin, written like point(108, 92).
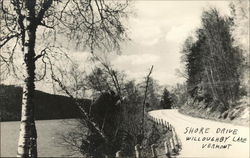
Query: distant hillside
point(47, 106)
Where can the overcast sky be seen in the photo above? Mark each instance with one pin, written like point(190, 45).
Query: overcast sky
point(157, 33)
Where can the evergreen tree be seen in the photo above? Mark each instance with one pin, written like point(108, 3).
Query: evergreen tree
point(166, 100)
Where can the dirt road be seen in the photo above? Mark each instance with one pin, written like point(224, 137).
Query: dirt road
point(206, 138)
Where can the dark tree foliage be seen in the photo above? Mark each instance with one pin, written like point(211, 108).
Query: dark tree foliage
point(61, 107)
point(166, 100)
point(179, 95)
point(104, 112)
point(118, 114)
point(212, 62)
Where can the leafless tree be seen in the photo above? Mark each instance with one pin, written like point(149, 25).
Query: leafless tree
point(113, 75)
point(126, 130)
point(145, 96)
point(37, 28)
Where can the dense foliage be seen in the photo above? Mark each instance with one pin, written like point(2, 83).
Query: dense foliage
point(117, 110)
point(213, 63)
point(166, 100)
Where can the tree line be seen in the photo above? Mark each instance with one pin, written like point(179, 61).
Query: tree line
point(119, 109)
point(38, 30)
point(214, 63)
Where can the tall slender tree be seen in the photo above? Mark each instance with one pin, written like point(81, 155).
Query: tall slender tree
point(37, 27)
point(213, 63)
point(240, 31)
point(166, 100)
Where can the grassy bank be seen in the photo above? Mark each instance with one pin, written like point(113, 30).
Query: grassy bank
point(238, 115)
point(155, 134)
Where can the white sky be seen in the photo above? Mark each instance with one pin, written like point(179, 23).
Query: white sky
point(157, 33)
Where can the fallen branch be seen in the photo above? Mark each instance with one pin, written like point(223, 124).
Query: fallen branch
point(90, 123)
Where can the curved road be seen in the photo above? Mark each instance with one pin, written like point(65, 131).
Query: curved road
point(208, 138)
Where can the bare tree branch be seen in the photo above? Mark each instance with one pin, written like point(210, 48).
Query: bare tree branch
point(6, 39)
point(145, 97)
point(85, 115)
point(45, 6)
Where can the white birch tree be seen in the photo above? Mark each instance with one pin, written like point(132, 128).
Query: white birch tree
point(36, 28)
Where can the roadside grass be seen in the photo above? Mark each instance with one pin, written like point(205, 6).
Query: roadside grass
point(157, 135)
point(238, 115)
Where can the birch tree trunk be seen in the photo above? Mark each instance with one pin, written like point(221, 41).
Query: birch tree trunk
point(210, 83)
point(27, 146)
